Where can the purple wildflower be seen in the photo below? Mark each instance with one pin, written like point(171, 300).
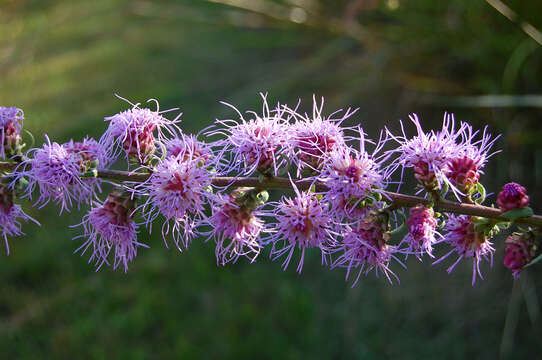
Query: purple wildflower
point(352, 177)
point(11, 125)
point(56, 172)
point(464, 169)
point(302, 222)
point(110, 226)
point(134, 131)
point(519, 251)
point(11, 216)
point(261, 143)
point(188, 147)
point(235, 228)
point(177, 189)
point(364, 246)
point(512, 196)
point(316, 136)
point(91, 153)
point(429, 153)
point(421, 231)
point(467, 243)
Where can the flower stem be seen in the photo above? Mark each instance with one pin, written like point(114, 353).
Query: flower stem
point(396, 199)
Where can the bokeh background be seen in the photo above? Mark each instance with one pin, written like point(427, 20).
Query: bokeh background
point(62, 61)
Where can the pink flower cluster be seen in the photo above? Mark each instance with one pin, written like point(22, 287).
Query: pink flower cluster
point(341, 206)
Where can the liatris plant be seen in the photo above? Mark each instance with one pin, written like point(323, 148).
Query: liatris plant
point(338, 199)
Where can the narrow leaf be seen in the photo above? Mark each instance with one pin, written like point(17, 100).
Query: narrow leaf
point(518, 213)
point(535, 260)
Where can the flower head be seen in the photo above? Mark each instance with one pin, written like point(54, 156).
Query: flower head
point(316, 136)
point(365, 247)
point(56, 172)
point(465, 167)
point(429, 153)
point(302, 222)
point(134, 132)
point(177, 189)
point(235, 227)
point(11, 125)
point(188, 147)
point(110, 227)
point(11, 216)
point(421, 230)
point(512, 196)
point(353, 178)
point(90, 152)
point(467, 242)
point(260, 143)
point(519, 251)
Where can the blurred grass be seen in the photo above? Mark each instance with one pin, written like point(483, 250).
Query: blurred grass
point(63, 61)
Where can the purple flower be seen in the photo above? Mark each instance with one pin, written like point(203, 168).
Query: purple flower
point(512, 196)
point(134, 132)
point(188, 147)
point(261, 143)
point(90, 152)
point(421, 231)
point(56, 172)
point(11, 125)
point(365, 247)
point(353, 178)
point(235, 228)
point(467, 243)
point(519, 251)
point(11, 216)
point(429, 153)
point(464, 169)
point(316, 136)
point(302, 222)
point(110, 227)
point(177, 189)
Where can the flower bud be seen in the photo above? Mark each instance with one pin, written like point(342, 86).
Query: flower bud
point(425, 176)
point(463, 173)
point(519, 251)
point(421, 230)
point(512, 196)
point(11, 125)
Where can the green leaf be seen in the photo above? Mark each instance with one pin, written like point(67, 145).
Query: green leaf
point(398, 230)
point(518, 213)
point(482, 191)
point(535, 260)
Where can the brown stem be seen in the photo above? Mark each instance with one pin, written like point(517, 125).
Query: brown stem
point(398, 200)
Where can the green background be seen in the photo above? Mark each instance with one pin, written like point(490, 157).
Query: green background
point(62, 61)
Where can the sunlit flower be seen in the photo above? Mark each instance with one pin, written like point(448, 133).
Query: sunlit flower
point(429, 153)
point(11, 125)
point(109, 227)
point(465, 167)
point(315, 136)
point(303, 222)
point(353, 178)
point(56, 172)
point(235, 229)
point(260, 143)
point(177, 189)
point(188, 147)
point(90, 152)
point(136, 131)
point(467, 243)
